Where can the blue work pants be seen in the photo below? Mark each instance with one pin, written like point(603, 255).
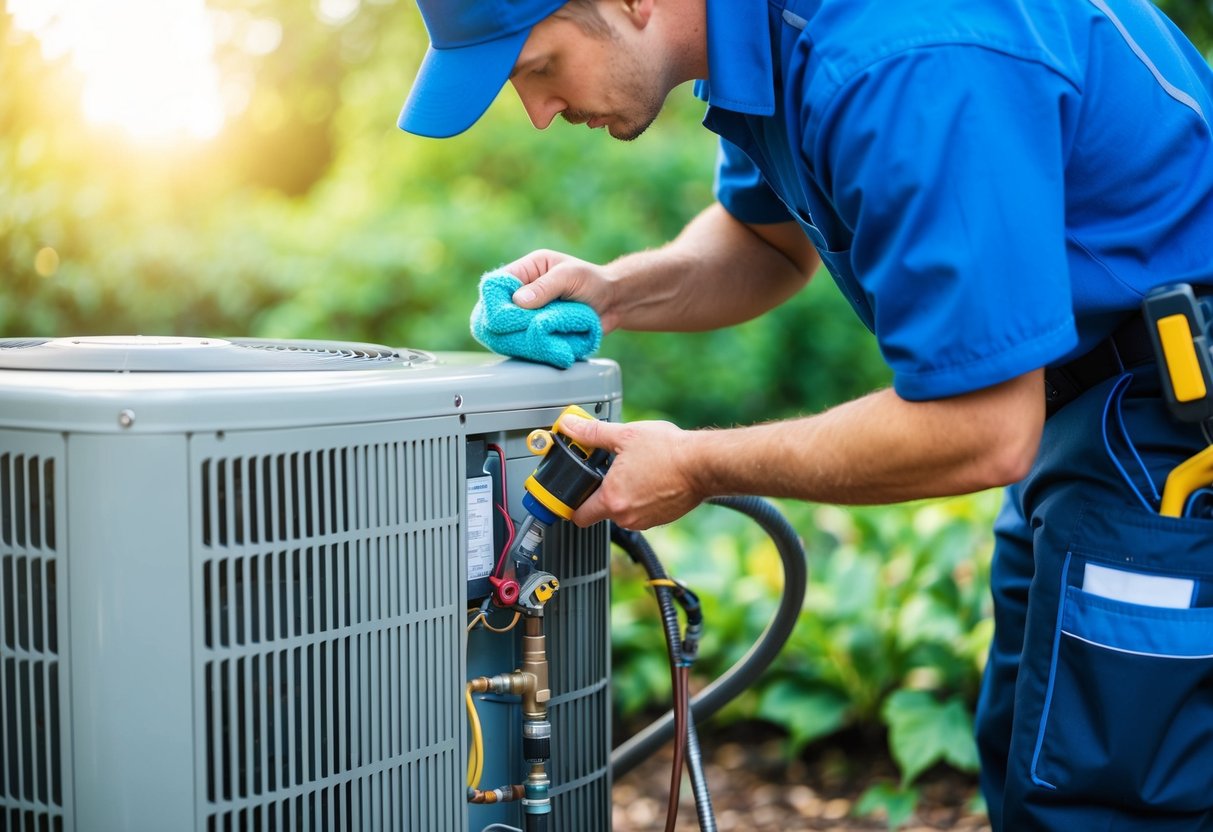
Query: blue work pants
point(1096, 710)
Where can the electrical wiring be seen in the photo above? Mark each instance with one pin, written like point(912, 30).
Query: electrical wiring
point(482, 617)
point(476, 748)
point(504, 509)
point(499, 569)
point(506, 628)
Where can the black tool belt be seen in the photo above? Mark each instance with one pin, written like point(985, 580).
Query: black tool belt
point(1128, 346)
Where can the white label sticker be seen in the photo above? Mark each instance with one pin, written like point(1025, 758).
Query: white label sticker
point(1137, 588)
point(480, 527)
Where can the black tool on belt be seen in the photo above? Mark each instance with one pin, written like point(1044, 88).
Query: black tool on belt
point(1133, 343)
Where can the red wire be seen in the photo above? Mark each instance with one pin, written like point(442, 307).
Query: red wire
point(509, 541)
point(504, 509)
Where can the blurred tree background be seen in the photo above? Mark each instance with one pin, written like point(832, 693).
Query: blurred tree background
point(232, 168)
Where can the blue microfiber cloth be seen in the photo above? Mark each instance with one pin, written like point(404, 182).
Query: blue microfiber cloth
point(558, 334)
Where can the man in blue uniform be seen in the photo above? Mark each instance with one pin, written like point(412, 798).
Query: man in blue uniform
point(993, 186)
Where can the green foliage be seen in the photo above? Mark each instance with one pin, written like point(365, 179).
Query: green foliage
point(924, 731)
point(895, 802)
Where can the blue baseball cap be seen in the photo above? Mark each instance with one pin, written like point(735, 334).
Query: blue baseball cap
point(474, 45)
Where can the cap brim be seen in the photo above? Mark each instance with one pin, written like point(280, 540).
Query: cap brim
point(455, 86)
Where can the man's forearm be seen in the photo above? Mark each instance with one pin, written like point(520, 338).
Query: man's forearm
point(877, 449)
point(881, 448)
point(716, 273)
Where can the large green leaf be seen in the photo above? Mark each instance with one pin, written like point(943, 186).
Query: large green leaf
point(924, 731)
point(806, 712)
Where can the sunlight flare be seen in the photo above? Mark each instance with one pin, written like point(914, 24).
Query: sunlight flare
point(147, 65)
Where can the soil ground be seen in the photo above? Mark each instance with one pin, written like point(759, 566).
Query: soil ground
point(755, 788)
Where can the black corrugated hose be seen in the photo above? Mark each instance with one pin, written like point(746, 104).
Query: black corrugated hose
point(682, 653)
point(750, 666)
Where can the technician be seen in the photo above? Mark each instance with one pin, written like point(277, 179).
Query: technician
point(993, 186)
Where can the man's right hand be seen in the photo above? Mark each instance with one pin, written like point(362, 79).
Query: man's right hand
point(550, 275)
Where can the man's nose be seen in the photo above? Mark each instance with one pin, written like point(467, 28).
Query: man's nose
point(541, 107)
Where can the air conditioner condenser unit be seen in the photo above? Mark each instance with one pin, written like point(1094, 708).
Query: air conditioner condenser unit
point(235, 579)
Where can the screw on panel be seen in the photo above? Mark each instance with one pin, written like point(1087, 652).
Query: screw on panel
point(458, 400)
point(598, 407)
point(126, 419)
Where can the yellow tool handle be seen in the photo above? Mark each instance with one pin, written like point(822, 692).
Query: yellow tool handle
point(539, 441)
point(1193, 473)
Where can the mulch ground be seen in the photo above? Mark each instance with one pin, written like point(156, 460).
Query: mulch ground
point(756, 788)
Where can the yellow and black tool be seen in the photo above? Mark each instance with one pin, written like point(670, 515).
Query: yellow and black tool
point(1178, 324)
point(568, 473)
point(566, 476)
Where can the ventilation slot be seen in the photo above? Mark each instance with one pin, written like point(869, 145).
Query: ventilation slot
point(357, 352)
point(27, 502)
point(292, 496)
point(400, 798)
point(31, 767)
point(579, 663)
point(329, 589)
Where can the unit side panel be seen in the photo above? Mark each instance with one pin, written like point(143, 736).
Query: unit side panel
point(576, 623)
point(328, 628)
point(35, 707)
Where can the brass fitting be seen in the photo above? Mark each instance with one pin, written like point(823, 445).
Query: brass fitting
point(530, 681)
point(504, 794)
point(535, 664)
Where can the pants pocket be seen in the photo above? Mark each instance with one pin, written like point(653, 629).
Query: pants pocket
point(1128, 716)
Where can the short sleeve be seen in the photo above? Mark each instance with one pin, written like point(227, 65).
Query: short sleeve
point(742, 191)
point(947, 163)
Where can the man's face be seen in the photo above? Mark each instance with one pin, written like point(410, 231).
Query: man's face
point(602, 80)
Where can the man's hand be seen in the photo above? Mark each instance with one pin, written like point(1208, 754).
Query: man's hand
point(550, 275)
point(651, 481)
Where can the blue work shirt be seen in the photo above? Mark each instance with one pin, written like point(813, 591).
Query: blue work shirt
point(993, 185)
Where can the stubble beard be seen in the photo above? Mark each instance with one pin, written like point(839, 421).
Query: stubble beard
point(646, 101)
point(641, 95)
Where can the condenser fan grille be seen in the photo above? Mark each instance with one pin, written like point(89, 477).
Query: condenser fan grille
point(358, 352)
point(329, 592)
point(154, 354)
point(31, 765)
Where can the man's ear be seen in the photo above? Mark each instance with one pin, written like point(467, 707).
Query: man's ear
point(639, 11)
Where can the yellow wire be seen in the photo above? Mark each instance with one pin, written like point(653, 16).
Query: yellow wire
point(506, 628)
point(484, 618)
point(662, 582)
point(476, 748)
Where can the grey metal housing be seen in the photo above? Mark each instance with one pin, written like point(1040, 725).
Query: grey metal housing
point(236, 600)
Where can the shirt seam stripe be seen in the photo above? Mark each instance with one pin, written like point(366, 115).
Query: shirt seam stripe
point(1169, 88)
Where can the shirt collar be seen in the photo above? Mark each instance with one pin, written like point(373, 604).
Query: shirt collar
point(739, 58)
